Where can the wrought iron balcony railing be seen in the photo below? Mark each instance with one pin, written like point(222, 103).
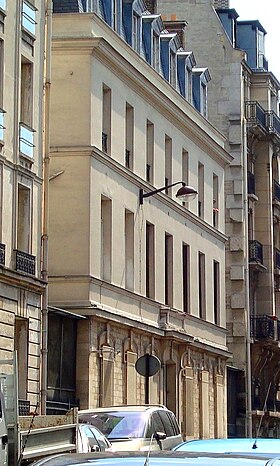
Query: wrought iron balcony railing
point(26, 140)
point(104, 142)
point(255, 251)
point(25, 262)
point(255, 114)
point(262, 327)
point(251, 183)
point(276, 191)
point(2, 254)
point(273, 123)
point(276, 258)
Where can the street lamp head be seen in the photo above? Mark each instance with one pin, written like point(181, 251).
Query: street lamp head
point(186, 193)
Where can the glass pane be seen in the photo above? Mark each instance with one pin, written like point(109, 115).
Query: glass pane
point(68, 372)
point(3, 4)
point(117, 424)
point(26, 138)
point(54, 351)
point(28, 18)
point(1, 124)
point(166, 423)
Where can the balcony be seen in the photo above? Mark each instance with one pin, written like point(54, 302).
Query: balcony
point(255, 252)
point(2, 127)
point(2, 254)
point(26, 139)
point(24, 262)
point(251, 183)
point(255, 115)
point(262, 327)
point(273, 123)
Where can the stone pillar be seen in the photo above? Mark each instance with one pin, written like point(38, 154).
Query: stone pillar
point(130, 378)
point(204, 429)
point(188, 400)
point(107, 376)
point(219, 406)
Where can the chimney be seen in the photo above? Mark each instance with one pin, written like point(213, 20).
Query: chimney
point(151, 6)
point(221, 4)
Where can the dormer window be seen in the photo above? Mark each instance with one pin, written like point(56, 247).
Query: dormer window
point(136, 32)
point(200, 78)
point(173, 69)
point(260, 49)
point(116, 15)
point(155, 51)
point(185, 63)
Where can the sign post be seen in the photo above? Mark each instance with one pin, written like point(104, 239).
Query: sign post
point(147, 366)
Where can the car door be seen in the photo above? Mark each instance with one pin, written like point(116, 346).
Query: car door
point(171, 428)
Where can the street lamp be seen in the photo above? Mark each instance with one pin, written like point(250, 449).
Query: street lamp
point(185, 193)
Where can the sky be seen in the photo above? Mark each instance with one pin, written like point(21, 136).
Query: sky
point(267, 12)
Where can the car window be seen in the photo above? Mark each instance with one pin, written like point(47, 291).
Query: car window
point(90, 436)
point(168, 429)
point(116, 425)
point(174, 423)
point(155, 425)
point(103, 442)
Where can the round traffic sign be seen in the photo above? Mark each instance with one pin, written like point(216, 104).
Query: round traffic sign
point(147, 365)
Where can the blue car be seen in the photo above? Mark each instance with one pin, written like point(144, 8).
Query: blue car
point(232, 445)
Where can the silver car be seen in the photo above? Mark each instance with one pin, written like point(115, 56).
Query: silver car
point(131, 428)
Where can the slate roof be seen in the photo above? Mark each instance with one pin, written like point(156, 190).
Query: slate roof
point(68, 6)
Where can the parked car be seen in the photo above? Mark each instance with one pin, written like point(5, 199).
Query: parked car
point(130, 428)
point(90, 439)
point(232, 445)
point(155, 458)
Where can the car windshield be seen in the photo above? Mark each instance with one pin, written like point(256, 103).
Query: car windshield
point(117, 424)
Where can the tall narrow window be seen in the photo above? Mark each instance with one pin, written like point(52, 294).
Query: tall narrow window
point(23, 219)
point(155, 54)
point(1, 72)
point(216, 277)
point(129, 250)
point(150, 260)
point(150, 147)
point(21, 346)
point(185, 169)
point(116, 15)
point(173, 69)
point(106, 119)
point(168, 269)
point(28, 19)
point(168, 162)
point(204, 100)
point(186, 277)
point(215, 201)
point(106, 238)
point(129, 136)
point(26, 94)
point(135, 31)
point(201, 286)
point(200, 190)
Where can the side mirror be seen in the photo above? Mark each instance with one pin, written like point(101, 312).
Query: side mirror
point(4, 440)
point(95, 448)
point(159, 436)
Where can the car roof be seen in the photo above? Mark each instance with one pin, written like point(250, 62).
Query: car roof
point(243, 445)
point(125, 408)
point(157, 458)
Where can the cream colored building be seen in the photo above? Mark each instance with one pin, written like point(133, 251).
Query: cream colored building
point(21, 84)
point(149, 278)
point(243, 104)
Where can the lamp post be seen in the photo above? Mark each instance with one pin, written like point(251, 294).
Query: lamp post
point(185, 193)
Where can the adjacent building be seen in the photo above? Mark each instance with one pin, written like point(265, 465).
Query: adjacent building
point(21, 287)
point(132, 271)
point(243, 104)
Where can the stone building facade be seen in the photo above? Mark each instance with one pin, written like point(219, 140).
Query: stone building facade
point(141, 272)
point(243, 104)
point(21, 287)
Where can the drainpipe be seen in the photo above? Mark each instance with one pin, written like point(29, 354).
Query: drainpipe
point(248, 374)
point(45, 206)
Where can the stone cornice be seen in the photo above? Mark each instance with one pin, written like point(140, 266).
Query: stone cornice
point(21, 280)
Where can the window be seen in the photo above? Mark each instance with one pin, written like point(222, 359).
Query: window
point(106, 119)
point(155, 52)
point(185, 168)
point(168, 162)
point(26, 93)
point(186, 277)
point(129, 250)
point(135, 32)
point(168, 269)
point(150, 146)
point(106, 239)
point(21, 347)
point(1, 72)
point(216, 276)
point(260, 49)
point(150, 260)
point(3, 4)
point(201, 286)
point(200, 190)
point(215, 201)
point(188, 89)
point(23, 219)
point(129, 136)
point(203, 104)
point(116, 15)
point(28, 16)
point(173, 69)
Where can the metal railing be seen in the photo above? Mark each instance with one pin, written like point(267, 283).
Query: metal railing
point(276, 258)
point(26, 140)
point(104, 142)
point(276, 191)
point(262, 327)
point(273, 123)
point(255, 114)
point(255, 251)
point(2, 254)
point(251, 183)
point(24, 262)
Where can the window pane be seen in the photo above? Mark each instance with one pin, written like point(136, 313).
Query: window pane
point(28, 18)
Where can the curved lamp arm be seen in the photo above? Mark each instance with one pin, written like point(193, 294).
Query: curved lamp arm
point(187, 190)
